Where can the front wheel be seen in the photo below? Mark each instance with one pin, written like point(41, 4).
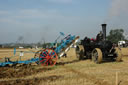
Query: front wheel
point(97, 55)
point(80, 52)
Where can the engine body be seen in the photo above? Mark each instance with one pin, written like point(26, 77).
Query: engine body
point(105, 46)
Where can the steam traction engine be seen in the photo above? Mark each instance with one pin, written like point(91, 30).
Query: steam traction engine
point(98, 49)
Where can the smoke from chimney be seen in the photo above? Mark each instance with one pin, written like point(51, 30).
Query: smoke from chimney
point(119, 8)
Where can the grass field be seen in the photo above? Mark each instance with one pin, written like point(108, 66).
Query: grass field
point(68, 71)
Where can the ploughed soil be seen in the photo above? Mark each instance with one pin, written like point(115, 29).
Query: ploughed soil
point(20, 71)
point(34, 81)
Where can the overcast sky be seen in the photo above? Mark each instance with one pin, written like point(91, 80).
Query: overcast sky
point(36, 20)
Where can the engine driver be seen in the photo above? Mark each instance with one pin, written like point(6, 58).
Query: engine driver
point(99, 36)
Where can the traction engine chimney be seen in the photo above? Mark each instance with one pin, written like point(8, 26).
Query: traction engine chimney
point(104, 31)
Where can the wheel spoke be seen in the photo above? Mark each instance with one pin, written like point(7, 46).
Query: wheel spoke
point(44, 54)
point(43, 60)
point(43, 57)
point(53, 55)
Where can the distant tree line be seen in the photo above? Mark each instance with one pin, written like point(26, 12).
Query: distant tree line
point(116, 35)
point(24, 45)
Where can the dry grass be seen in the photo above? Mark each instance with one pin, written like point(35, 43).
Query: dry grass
point(124, 51)
point(73, 72)
point(28, 53)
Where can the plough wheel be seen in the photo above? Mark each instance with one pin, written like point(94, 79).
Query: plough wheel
point(80, 52)
point(97, 55)
point(48, 57)
point(118, 54)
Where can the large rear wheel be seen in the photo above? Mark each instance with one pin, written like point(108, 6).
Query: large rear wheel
point(97, 55)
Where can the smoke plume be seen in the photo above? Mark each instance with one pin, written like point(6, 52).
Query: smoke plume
point(118, 8)
point(117, 11)
point(118, 14)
